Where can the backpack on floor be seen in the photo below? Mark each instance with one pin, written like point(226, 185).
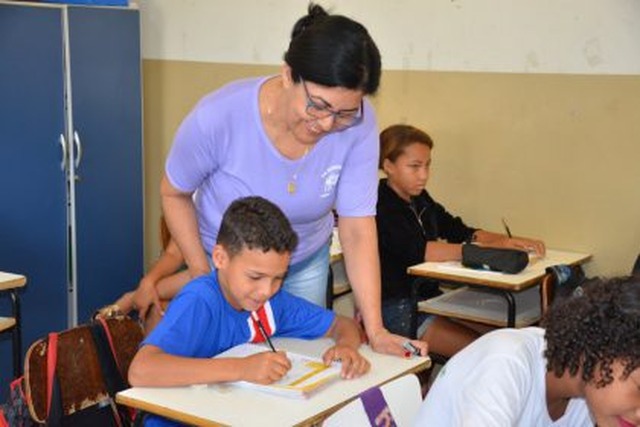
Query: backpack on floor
point(15, 413)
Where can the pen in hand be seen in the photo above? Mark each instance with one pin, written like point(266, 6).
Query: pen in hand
point(506, 228)
point(256, 319)
point(410, 349)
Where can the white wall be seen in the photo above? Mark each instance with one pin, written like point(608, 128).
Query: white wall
point(537, 36)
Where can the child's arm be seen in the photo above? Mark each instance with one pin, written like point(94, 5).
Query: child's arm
point(437, 251)
point(168, 287)
point(147, 295)
point(346, 334)
point(488, 238)
point(443, 251)
point(152, 367)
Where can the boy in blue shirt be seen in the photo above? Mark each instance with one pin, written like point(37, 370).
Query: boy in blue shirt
point(214, 312)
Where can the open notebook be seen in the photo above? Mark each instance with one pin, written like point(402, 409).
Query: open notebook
point(306, 376)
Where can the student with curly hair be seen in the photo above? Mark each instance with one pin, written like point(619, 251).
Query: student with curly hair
point(581, 371)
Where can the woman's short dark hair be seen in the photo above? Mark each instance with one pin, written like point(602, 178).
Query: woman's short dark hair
point(256, 223)
point(333, 51)
point(396, 138)
point(586, 334)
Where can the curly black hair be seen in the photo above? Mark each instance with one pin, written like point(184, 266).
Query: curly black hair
point(256, 223)
point(588, 333)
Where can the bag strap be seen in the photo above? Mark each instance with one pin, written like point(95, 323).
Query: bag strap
point(107, 359)
point(54, 417)
point(54, 395)
point(130, 412)
point(52, 356)
point(112, 347)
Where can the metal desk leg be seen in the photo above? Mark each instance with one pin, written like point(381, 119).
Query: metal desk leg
point(329, 295)
point(16, 335)
point(511, 308)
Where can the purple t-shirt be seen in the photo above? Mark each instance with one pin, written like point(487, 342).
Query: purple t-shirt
point(221, 149)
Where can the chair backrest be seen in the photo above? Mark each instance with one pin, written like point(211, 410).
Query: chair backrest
point(402, 397)
point(560, 282)
point(635, 271)
point(78, 363)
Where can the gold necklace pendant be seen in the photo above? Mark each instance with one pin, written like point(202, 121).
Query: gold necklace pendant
point(291, 185)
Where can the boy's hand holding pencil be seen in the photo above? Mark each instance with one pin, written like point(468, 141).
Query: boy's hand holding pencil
point(266, 368)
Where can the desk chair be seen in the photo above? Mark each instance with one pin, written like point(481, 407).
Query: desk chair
point(12, 283)
point(436, 358)
point(635, 271)
point(560, 282)
point(71, 377)
point(336, 289)
point(329, 294)
point(401, 398)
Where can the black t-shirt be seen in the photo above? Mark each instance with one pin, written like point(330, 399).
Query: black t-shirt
point(403, 232)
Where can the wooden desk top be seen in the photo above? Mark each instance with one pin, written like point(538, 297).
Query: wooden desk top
point(455, 272)
point(11, 281)
point(218, 404)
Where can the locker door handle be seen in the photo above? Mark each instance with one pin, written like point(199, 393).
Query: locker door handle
point(76, 139)
point(63, 145)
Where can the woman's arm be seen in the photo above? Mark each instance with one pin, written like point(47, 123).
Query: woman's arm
point(359, 242)
point(180, 215)
point(359, 247)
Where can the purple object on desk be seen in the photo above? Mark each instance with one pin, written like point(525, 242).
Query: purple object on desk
point(376, 408)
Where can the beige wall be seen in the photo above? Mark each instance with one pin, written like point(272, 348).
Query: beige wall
point(171, 89)
point(556, 155)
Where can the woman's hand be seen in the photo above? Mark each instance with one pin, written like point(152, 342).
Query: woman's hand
point(386, 342)
point(353, 364)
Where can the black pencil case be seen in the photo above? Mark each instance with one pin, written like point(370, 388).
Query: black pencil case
point(510, 261)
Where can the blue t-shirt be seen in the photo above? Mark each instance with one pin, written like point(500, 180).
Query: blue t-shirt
point(201, 323)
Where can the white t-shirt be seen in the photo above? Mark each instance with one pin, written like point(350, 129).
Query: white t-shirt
point(498, 380)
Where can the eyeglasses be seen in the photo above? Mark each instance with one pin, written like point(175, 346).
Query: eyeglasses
point(342, 119)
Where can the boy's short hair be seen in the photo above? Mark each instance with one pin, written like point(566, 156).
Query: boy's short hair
point(256, 223)
point(587, 333)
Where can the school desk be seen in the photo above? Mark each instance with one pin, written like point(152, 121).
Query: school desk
point(10, 282)
point(515, 289)
point(220, 404)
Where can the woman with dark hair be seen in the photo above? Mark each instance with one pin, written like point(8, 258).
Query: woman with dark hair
point(306, 139)
point(581, 370)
